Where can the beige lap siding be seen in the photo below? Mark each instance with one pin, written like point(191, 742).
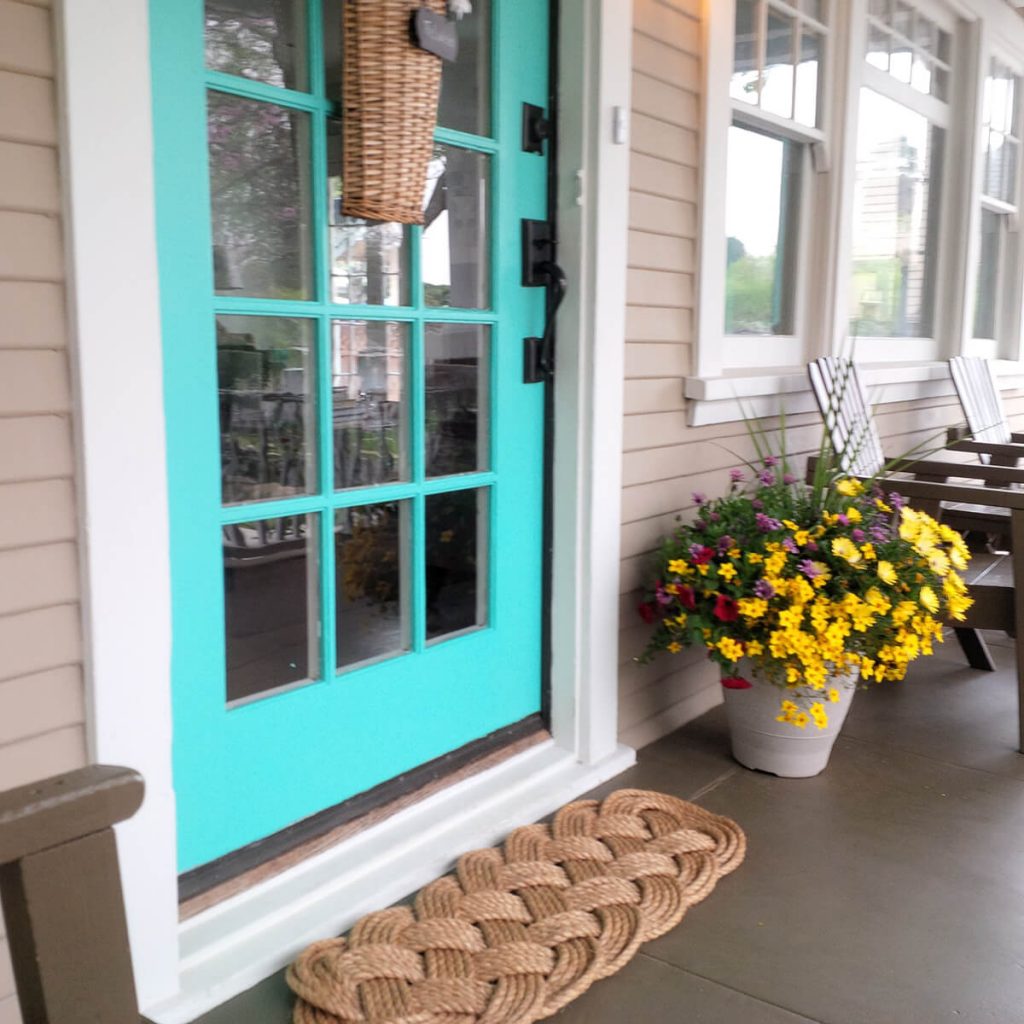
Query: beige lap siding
point(41, 693)
point(664, 460)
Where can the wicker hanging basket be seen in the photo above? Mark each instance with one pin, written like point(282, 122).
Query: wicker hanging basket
point(390, 95)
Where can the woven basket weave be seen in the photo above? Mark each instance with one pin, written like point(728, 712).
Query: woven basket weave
point(390, 95)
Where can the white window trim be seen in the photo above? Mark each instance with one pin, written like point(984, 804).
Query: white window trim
point(719, 380)
point(182, 971)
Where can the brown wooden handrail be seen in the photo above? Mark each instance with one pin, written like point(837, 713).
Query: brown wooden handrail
point(60, 885)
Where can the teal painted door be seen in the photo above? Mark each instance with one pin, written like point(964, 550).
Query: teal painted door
point(355, 464)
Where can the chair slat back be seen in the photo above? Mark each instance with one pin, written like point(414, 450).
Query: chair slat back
point(979, 396)
point(844, 407)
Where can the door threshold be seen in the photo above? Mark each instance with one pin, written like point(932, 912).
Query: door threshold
point(227, 876)
point(245, 938)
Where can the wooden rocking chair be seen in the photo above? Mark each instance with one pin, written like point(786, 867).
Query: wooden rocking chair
point(992, 508)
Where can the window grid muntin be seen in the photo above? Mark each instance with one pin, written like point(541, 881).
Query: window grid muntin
point(886, 27)
point(326, 500)
point(801, 22)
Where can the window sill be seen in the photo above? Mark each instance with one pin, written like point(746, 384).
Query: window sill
point(731, 396)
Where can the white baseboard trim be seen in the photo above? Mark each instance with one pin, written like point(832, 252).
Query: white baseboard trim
point(237, 943)
point(686, 710)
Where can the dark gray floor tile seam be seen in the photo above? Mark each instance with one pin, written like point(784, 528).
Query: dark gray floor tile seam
point(718, 983)
point(888, 745)
point(729, 773)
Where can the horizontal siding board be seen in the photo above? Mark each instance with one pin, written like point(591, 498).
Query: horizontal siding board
point(38, 255)
point(657, 323)
point(39, 512)
point(32, 315)
point(40, 640)
point(9, 1013)
point(663, 216)
point(645, 535)
point(40, 703)
point(664, 141)
point(647, 251)
point(662, 177)
point(650, 359)
point(37, 577)
point(25, 44)
point(28, 109)
point(29, 179)
point(666, 63)
point(33, 382)
point(659, 288)
point(664, 102)
point(39, 757)
point(668, 25)
point(654, 395)
point(6, 969)
point(34, 448)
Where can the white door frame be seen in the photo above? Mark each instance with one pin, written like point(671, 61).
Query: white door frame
point(115, 322)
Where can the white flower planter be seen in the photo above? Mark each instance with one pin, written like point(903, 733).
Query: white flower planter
point(759, 741)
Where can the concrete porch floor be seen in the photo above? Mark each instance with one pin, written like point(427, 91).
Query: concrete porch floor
point(889, 890)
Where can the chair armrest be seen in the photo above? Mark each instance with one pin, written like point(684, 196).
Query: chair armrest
point(1017, 437)
point(1012, 451)
point(66, 807)
point(967, 471)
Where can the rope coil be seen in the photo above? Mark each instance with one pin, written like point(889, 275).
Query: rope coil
point(518, 932)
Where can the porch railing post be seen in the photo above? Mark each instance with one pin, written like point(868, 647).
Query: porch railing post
point(60, 885)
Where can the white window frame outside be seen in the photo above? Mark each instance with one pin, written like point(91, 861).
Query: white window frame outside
point(911, 368)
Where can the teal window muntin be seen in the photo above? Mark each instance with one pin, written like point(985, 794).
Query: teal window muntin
point(323, 500)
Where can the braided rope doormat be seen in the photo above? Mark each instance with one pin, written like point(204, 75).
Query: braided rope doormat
point(520, 931)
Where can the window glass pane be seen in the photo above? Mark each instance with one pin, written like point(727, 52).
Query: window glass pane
point(369, 259)
point(921, 74)
point(761, 203)
point(260, 198)
point(986, 296)
point(896, 204)
point(266, 380)
point(457, 361)
point(807, 77)
point(372, 578)
point(466, 82)
point(777, 85)
point(455, 250)
point(456, 557)
point(369, 382)
point(901, 60)
point(878, 47)
point(260, 39)
point(271, 608)
point(743, 85)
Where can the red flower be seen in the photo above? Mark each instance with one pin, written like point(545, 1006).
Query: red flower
point(687, 598)
point(647, 612)
point(702, 555)
point(726, 609)
point(736, 683)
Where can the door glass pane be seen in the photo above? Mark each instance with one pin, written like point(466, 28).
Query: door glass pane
point(369, 382)
point(466, 82)
point(266, 383)
point(369, 259)
point(372, 543)
point(456, 230)
point(260, 39)
point(986, 296)
point(457, 358)
point(271, 608)
point(762, 202)
point(777, 83)
point(896, 206)
point(456, 555)
point(260, 199)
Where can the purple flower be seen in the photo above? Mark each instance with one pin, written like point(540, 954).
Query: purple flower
point(699, 524)
point(788, 479)
point(736, 475)
point(771, 460)
point(896, 500)
point(842, 518)
point(714, 517)
point(662, 597)
point(767, 477)
point(858, 535)
point(809, 569)
point(699, 498)
point(811, 545)
point(790, 545)
point(762, 588)
point(725, 542)
point(880, 533)
point(766, 524)
point(757, 503)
